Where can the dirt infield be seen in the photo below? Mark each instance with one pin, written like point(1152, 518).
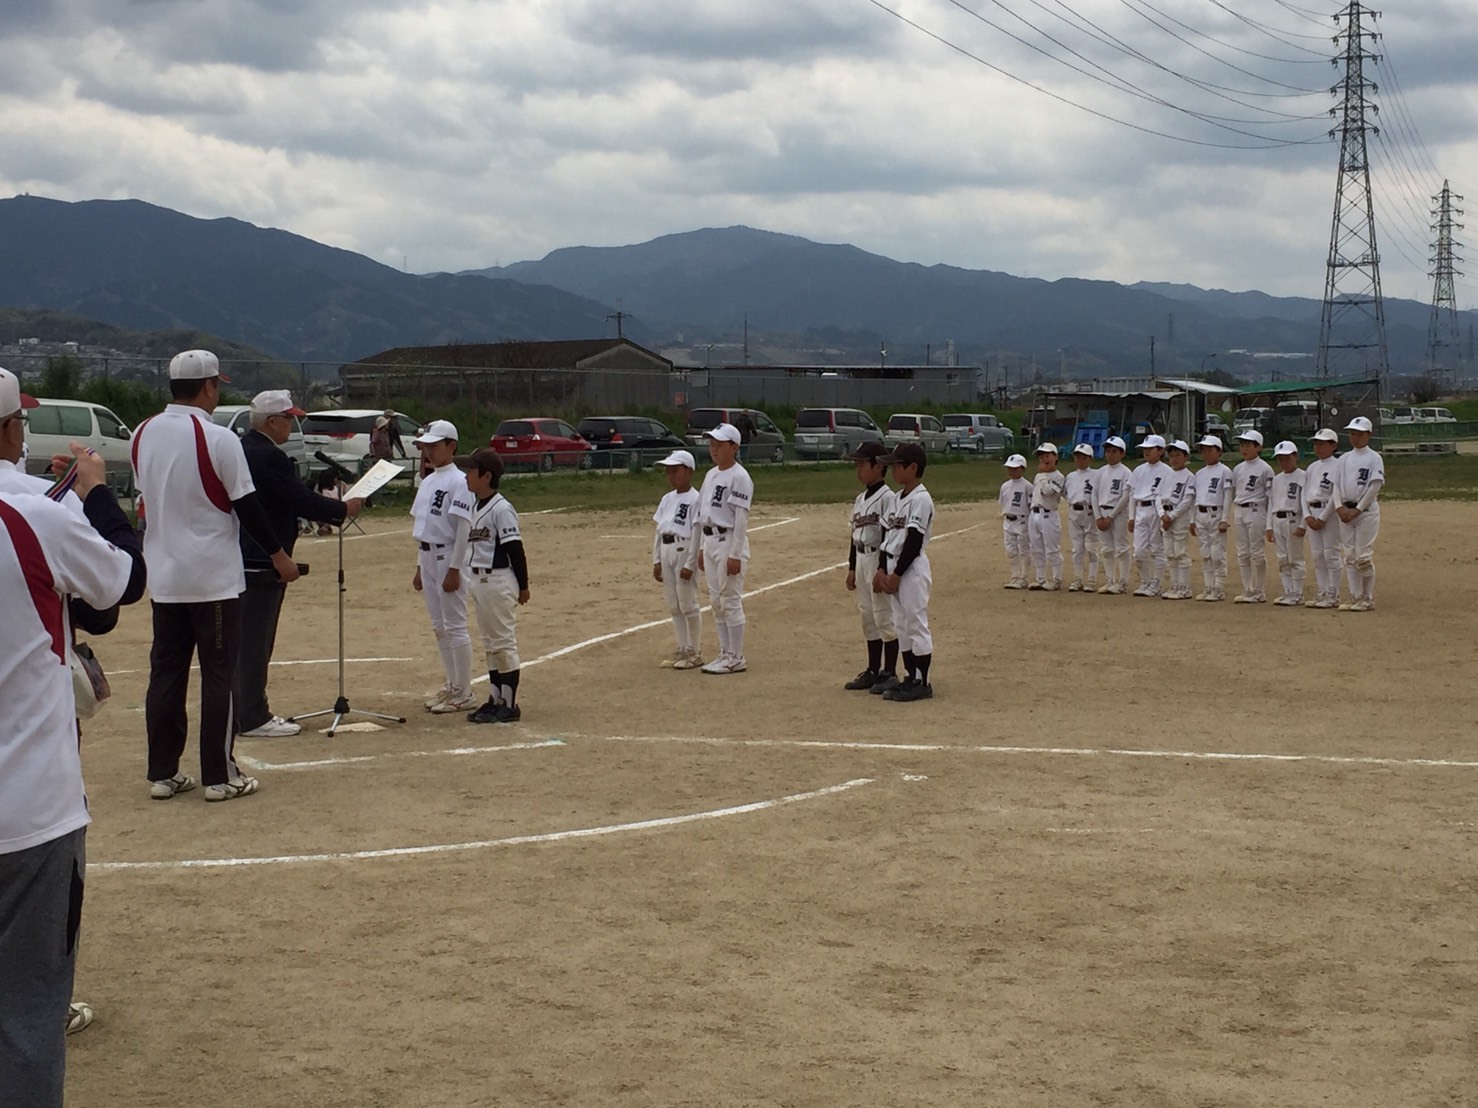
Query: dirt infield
point(1085, 874)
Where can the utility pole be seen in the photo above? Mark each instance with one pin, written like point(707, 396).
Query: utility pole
point(1444, 349)
point(1152, 357)
point(746, 338)
point(1352, 328)
point(618, 315)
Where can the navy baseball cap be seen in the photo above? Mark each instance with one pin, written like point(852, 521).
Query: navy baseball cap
point(868, 452)
point(907, 453)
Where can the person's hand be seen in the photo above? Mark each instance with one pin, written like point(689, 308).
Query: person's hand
point(1104, 524)
point(891, 581)
point(1313, 524)
point(452, 581)
point(656, 571)
point(733, 566)
point(353, 506)
point(1270, 535)
point(1131, 527)
point(685, 573)
point(523, 596)
point(851, 580)
point(1165, 522)
point(1221, 528)
point(1298, 532)
point(416, 580)
point(92, 471)
point(287, 569)
point(1193, 530)
point(700, 559)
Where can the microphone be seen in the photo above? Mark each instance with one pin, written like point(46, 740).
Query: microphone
point(346, 474)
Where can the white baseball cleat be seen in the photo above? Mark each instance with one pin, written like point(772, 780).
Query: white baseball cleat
point(1313, 603)
point(1052, 586)
point(1076, 586)
point(456, 701)
point(435, 697)
point(1364, 604)
point(690, 659)
point(1104, 590)
point(726, 663)
point(1326, 602)
point(1347, 606)
point(1037, 586)
point(274, 728)
point(232, 790)
point(1116, 589)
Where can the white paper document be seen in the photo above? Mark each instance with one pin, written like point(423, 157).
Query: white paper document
point(375, 478)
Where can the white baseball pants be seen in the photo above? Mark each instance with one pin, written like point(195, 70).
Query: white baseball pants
point(1149, 547)
point(1357, 542)
point(1044, 537)
point(448, 612)
point(876, 607)
point(911, 608)
point(1114, 550)
point(1252, 549)
point(1014, 537)
point(1084, 542)
point(1213, 542)
point(1327, 557)
point(495, 596)
point(725, 594)
point(1289, 550)
point(681, 596)
point(1177, 540)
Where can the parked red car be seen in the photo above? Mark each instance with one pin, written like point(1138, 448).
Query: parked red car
point(542, 443)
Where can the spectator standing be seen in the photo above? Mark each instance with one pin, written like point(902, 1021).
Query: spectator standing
point(285, 499)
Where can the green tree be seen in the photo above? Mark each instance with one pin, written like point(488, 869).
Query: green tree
point(62, 378)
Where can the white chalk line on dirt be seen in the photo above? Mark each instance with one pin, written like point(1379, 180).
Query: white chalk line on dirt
point(298, 662)
point(461, 751)
point(1052, 751)
point(551, 511)
point(514, 840)
point(752, 530)
point(355, 538)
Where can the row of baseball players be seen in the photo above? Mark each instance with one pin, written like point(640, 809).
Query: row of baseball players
point(1149, 514)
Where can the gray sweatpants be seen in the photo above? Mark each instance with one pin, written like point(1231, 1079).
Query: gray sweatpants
point(40, 909)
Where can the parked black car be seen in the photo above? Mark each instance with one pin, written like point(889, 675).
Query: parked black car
point(618, 438)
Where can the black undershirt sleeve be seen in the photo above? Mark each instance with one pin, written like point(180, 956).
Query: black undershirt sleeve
point(517, 561)
point(254, 518)
point(851, 555)
point(913, 546)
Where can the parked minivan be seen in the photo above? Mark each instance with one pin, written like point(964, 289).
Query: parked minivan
point(763, 441)
point(53, 424)
point(833, 432)
point(982, 433)
point(925, 430)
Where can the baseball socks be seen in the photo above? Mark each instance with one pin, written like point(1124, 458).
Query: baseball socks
point(695, 633)
point(875, 655)
point(461, 671)
point(890, 658)
point(736, 640)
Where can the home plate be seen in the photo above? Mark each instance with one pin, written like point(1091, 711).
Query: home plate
point(362, 725)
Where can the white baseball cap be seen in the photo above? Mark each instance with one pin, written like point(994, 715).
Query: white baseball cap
point(275, 402)
point(1180, 444)
point(1211, 440)
point(1250, 436)
point(1359, 423)
point(1016, 461)
point(1114, 440)
point(1083, 448)
point(678, 458)
point(12, 399)
point(1285, 447)
point(195, 365)
point(1153, 440)
point(725, 432)
point(1324, 434)
point(1047, 448)
point(438, 430)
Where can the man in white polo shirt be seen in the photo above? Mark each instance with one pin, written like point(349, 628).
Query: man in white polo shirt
point(47, 553)
point(192, 473)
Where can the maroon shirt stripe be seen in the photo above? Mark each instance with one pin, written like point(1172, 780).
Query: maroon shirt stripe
point(39, 580)
point(215, 490)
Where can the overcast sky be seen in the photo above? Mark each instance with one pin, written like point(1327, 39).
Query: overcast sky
point(463, 133)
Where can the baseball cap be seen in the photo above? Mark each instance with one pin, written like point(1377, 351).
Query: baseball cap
point(1211, 440)
point(1047, 448)
point(388, 413)
point(1016, 461)
point(486, 459)
point(867, 452)
point(1285, 447)
point(1250, 436)
point(725, 432)
point(12, 399)
point(1359, 423)
point(1083, 448)
point(1324, 434)
point(1180, 444)
point(275, 402)
point(1152, 441)
point(909, 453)
point(195, 365)
point(679, 458)
point(1114, 440)
point(438, 430)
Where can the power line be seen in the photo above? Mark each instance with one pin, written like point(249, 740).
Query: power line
point(1200, 50)
point(1273, 33)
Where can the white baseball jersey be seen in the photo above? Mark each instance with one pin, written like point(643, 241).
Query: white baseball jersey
point(1111, 490)
point(1015, 499)
point(1359, 478)
point(676, 515)
point(1178, 494)
point(868, 512)
point(494, 522)
point(1146, 483)
point(1078, 486)
point(1320, 496)
point(1048, 489)
point(46, 553)
point(442, 498)
point(910, 511)
point(1287, 495)
point(190, 470)
point(14, 479)
point(725, 501)
point(1214, 487)
point(1252, 483)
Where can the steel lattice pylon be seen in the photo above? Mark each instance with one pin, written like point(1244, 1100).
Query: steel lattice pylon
point(1352, 331)
point(1444, 348)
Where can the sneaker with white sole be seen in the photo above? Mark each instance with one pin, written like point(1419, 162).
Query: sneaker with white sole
point(456, 701)
point(1364, 604)
point(1076, 586)
point(274, 728)
point(726, 663)
point(671, 660)
point(1037, 586)
point(435, 697)
point(1014, 583)
point(171, 786)
point(79, 1016)
point(231, 790)
point(690, 660)
point(1052, 586)
point(1326, 603)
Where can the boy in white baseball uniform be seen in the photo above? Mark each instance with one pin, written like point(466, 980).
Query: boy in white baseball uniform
point(1319, 518)
point(1177, 506)
point(1111, 516)
point(1252, 484)
point(1015, 499)
point(500, 582)
point(1044, 528)
point(1146, 485)
point(675, 558)
point(903, 570)
point(1078, 492)
point(723, 512)
point(863, 550)
point(1359, 478)
point(1213, 518)
point(442, 520)
point(1286, 524)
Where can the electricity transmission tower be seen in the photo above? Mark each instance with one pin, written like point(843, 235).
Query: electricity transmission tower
point(1444, 350)
point(1352, 330)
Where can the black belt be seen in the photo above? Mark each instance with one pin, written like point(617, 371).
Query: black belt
point(866, 549)
point(1316, 503)
point(1352, 504)
point(668, 540)
point(433, 546)
point(1285, 515)
point(1168, 505)
point(1080, 507)
point(707, 530)
point(1208, 507)
point(1258, 507)
point(485, 571)
point(1044, 511)
point(1012, 519)
point(1146, 503)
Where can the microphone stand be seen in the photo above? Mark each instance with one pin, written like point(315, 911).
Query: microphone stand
point(341, 706)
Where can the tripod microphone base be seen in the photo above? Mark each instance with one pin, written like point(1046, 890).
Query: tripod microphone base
point(340, 710)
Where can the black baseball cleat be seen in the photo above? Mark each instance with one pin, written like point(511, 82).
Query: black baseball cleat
point(508, 713)
point(864, 680)
point(913, 690)
point(884, 683)
point(488, 713)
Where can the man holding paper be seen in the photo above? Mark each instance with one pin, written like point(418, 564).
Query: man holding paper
point(286, 500)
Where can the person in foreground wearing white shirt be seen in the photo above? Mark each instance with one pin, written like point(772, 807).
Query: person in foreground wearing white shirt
point(1360, 477)
point(723, 510)
point(1321, 522)
point(442, 526)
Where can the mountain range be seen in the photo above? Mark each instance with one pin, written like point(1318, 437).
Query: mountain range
point(697, 296)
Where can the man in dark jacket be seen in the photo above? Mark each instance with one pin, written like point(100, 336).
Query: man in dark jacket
point(287, 499)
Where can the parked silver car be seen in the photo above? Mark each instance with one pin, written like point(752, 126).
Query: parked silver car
point(981, 433)
point(923, 430)
point(833, 432)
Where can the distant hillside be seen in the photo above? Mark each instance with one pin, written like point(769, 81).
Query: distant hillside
point(147, 268)
point(55, 327)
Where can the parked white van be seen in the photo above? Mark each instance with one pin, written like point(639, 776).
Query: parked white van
point(53, 424)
